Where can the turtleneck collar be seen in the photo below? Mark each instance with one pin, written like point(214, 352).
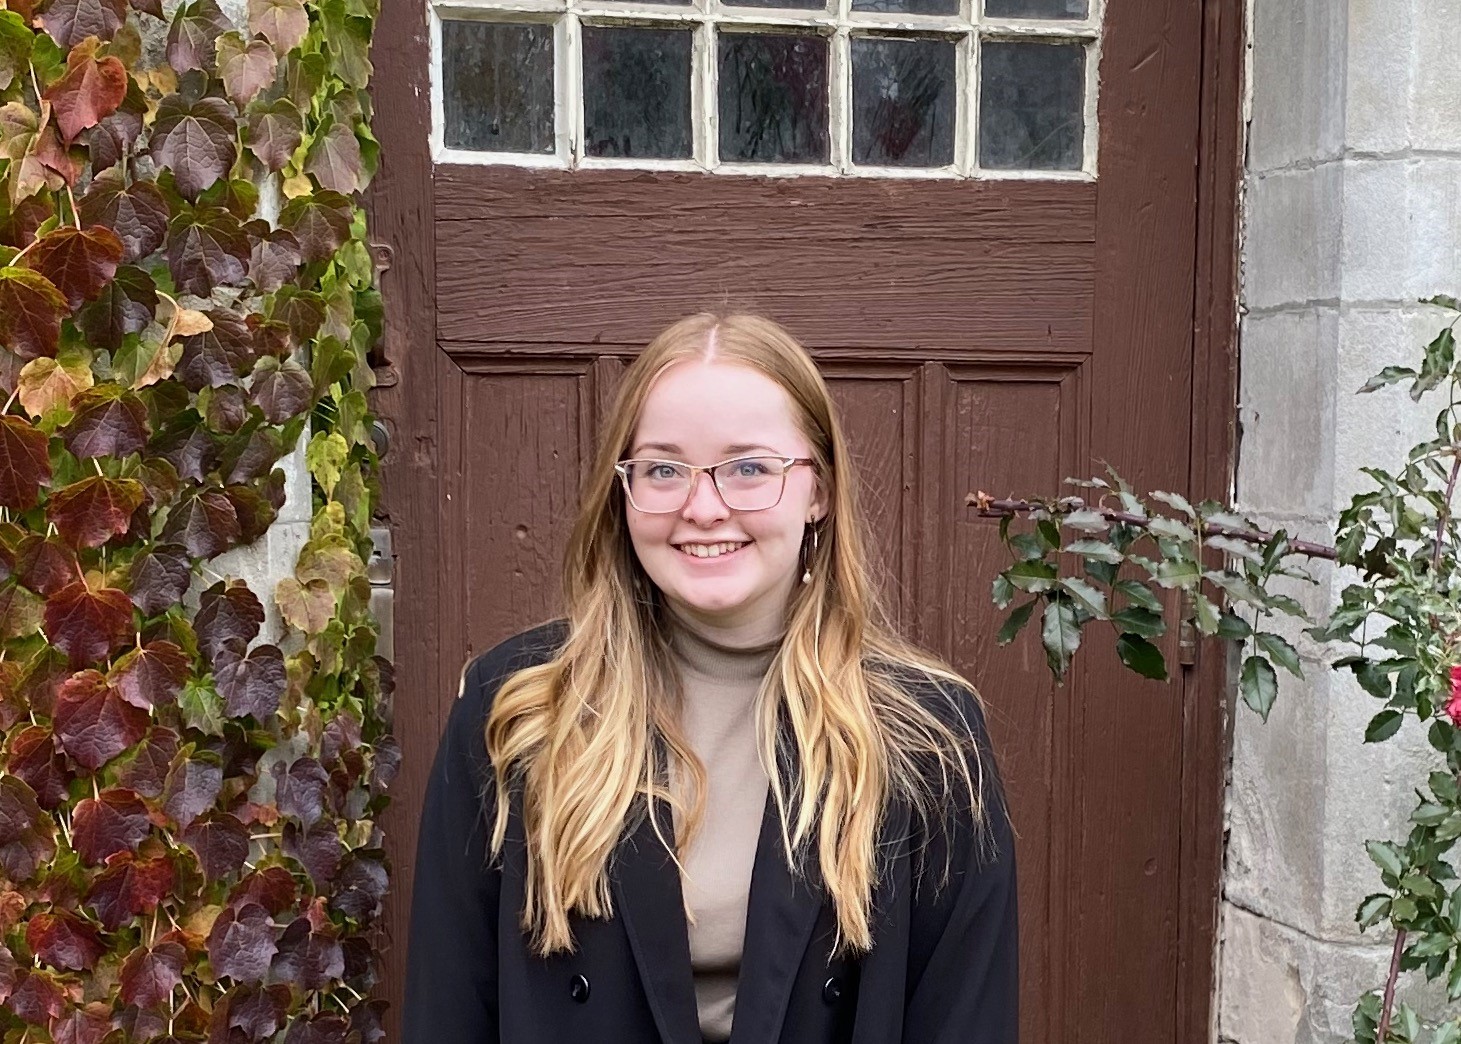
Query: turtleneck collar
point(705, 656)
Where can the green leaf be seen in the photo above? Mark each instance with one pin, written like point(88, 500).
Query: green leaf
point(1060, 634)
point(1443, 785)
point(202, 708)
point(1372, 910)
point(1280, 651)
point(1098, 550)
point(1138, 594)
point(1206, 615)
point(1141, 656)
point(1175, 500)
point(1033, 577)
point(15, 44)
point(1383, 725)
point(1386, 856)
point(1386, 377)
point(1161, 526)
point(1453, 993)
point(1259, 685)
point(1178, 573)
point(1002, 592)
point(1015, 622)
point(1440, 356)
point(1086, 521)
point(1234, 627)
point(1088, 595)
point(1139, 621)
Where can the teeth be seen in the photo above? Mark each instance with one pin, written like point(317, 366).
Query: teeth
point(711, 550)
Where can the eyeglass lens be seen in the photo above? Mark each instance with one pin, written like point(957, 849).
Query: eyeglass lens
point(747, 484)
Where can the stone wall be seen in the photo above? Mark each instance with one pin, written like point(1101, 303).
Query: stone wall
point(1352, 212)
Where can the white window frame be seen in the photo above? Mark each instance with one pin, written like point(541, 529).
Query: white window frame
point(839, 24)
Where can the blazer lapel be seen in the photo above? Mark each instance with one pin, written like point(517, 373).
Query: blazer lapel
point(781, 912)
point(646, 885)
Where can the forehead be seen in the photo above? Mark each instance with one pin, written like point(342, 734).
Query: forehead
point(708, 409)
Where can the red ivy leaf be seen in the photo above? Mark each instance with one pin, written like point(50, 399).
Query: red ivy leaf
point(89, 625)
point(272, 888)
point(110, 422)
point(204, 523)
point(27, 835)
point(227, 409)
point(92, 88)
point(21, 612)
point(77, 261)
point(318, 850)
point(256, 1013)
point(71, 21)
point(137, 213)
point(37, 998)
point(273, 259)
point(146, 771)
point(35, 759)
point(159, 577)
point(190, 39)
point(113, 821)
point(219, 356)
point(90, 512)
point(196, 142)
point(93, 723)
point(318, 1029)
point(321, 223)
point(126, 305)
point(360, 887)
point(25, 463)
point(31, 310)
point(85, 1025)
point(241, 945)
point(44, 565)
point(281, 390)
point(205, 248)
point(301, 790)
point(227, 612)
point(245, 66)
point(19, 225)
point(275, 131)
point(250, 684)
point(256, 513)
point(152, 675)
point(334, 158)
point(193, 785)
point(116, 135)
point(221, 842)
point(282, 22)
point(64, 941)
point(188, 447)
point(309, 959)
point(150, 975)
point(128, 887)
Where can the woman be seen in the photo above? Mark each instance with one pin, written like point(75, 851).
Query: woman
point(721, 800)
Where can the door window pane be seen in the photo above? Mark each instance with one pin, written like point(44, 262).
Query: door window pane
point(773, 98)
point(636, 92)
point(785, 5)
point(497, 86)
point(902, 102)
point(1031, 106)
point(1036, 8)
point(930, 7)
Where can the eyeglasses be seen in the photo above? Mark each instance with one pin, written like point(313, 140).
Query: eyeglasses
point(659, 487)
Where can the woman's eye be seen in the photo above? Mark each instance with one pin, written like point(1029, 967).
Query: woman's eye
point(751, 469)
point(662, 472)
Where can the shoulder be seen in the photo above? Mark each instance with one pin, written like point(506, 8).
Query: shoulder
point(484, 674)
point(951, 701)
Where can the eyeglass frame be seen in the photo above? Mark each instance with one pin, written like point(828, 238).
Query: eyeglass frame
point(621, 469)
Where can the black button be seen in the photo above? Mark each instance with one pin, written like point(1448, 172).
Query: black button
point(578, 989)
point(832, 990)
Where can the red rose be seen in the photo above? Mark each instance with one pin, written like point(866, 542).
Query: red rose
point(1453, 705)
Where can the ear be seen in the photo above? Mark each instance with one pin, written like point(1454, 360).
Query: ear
point(821, 502)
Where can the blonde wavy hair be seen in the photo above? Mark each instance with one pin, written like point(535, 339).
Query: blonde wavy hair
point(589, 737)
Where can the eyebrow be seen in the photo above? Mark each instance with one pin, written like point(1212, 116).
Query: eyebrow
point(670, 447)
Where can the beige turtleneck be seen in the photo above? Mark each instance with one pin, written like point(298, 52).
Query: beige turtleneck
point(718, 715)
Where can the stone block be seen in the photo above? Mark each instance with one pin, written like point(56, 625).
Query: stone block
point(1379, 69)
point(1379, 428)
point(1436, 97)
point(1286, 411)
point(298, 497)
point(1292, 235)
point(1298, 100)
point(1402, 219)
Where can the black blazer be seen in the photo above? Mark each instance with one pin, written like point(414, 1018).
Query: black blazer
point(943, 968)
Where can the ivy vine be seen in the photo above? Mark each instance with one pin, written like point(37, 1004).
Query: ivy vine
point(188, 837)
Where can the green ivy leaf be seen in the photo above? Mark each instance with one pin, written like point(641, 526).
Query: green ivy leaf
point(15, 43)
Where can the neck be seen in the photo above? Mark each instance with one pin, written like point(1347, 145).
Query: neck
point(737, 632)
point(708, 653)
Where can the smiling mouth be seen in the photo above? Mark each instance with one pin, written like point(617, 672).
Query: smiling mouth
point(727, 547)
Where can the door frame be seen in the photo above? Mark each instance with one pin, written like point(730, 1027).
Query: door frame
point(410, 373)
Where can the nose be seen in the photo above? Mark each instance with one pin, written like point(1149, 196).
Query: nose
point(704, 506)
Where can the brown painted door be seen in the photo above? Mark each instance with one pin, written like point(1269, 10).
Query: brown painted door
point(979, 333)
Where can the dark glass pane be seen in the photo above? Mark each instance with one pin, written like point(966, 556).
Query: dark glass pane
point(930, 7)
point(1036, 8)
point(497, 86)
point(798, 5)
point(903, 102)
point(773, 98)
point(636, 92)
point(1030, 106)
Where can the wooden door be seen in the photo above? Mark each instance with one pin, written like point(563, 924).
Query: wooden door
point(980, 332)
